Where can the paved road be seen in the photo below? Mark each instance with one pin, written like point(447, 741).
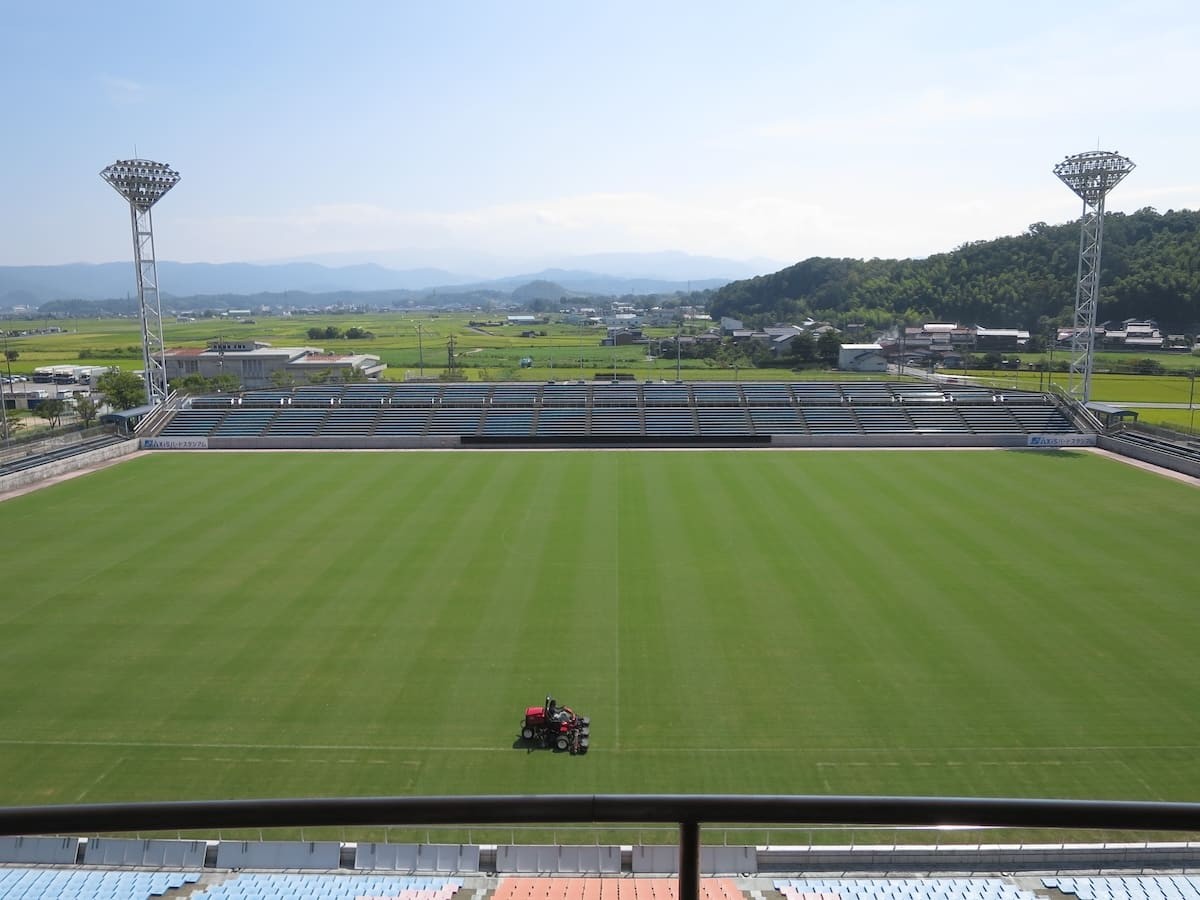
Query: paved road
point(1151, 405)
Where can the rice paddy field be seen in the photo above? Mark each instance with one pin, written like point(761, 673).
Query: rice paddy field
point(224, 625)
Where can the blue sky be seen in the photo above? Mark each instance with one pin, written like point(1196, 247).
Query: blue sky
point(480, 136)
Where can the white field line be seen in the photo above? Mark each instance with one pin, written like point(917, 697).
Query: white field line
point(507, 748)
point(120, 760)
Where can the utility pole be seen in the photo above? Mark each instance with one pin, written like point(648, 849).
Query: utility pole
point(12, 393)
point(1192, 405)
point(420, 351)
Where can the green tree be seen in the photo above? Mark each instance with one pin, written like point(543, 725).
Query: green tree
point(829, 347)
point(190, 384)
point(225, 383)
point(122, 390)
point(283, 379)
point(802, 349)
point(87, 408)
point(316, 334)
point(1150, 271)
point(12, 355)
point(199, 384)
point(51, 410)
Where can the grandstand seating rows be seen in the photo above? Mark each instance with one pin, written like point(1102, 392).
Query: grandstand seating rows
point(1154, 887)
point(701, 393)
point(610, 889)
point(275, 886)
point(901, 889)
point(1090, 887)
point(60, 883)
point(670, 410)
point(89, 884)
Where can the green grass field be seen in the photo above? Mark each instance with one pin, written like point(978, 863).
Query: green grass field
point(232, 625)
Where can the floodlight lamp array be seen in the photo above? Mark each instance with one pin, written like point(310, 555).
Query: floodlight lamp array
point(1093, 174)
point(140, 181)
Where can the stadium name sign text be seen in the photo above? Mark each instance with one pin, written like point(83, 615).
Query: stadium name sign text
point(175, 443)
point(1061, 440)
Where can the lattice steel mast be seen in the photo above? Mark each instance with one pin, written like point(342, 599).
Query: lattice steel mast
point(1091, 176)
point(143, 183)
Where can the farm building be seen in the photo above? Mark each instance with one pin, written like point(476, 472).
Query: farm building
point(254, 362)
point(861, 358)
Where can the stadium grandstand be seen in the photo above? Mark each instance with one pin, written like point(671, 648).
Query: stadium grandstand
point(788, 414)
point(42, 868)
point(384, 415)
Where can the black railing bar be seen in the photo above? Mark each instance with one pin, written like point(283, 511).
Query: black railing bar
point(603, 808)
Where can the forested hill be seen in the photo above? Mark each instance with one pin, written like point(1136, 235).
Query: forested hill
point(1150, 268)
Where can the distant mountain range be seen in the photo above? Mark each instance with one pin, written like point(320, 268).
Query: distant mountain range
point(84, 281)
point(605, 275)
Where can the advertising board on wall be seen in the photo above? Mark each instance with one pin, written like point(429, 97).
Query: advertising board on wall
point(1061, 440)
point(175, 443)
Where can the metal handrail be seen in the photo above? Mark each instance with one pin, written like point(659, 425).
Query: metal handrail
point(688, 811)
point(149, 424)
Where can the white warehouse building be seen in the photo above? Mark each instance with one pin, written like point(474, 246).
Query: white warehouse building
point(862, 358)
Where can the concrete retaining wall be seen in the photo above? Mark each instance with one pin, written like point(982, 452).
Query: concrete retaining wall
point(321, 855)
point(1150, 455)
point(423, 858)
point(553, 859)
point(664, 860)
point(159, 854)
point(880, 860)
point(349, 442)
point(900, 440)
point(57, 851)
point(64, 466)
point(444, 442)
point(22, 448)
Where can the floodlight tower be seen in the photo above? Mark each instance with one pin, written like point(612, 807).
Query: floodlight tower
point(143, 183)
point(1091, 175)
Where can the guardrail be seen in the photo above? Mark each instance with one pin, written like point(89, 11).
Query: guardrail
point(150, 424)
point(687, 811)
point(1082, 416)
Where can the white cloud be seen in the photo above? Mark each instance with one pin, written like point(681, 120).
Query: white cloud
point(729, 225)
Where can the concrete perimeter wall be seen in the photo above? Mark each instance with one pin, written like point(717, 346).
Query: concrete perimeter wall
point(465, 859)
point(349, 442)
point(446, 442)
point(980, 858)
point(64, 466)
point(1150, 455)
point(900, 440)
